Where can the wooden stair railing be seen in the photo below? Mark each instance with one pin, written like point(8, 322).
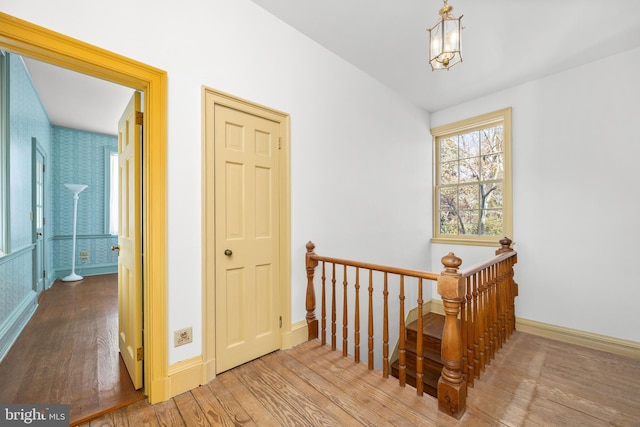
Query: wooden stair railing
point(479, 316)
point(487, 311)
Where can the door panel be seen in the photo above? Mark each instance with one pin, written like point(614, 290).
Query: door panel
point(247, 228)
point(39, 218)
point(129, 241)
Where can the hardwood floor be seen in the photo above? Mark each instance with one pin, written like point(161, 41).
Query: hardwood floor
point(68, 352)
point(532, 382)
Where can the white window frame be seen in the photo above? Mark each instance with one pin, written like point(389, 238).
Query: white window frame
point(111, 192)
point(459, 128)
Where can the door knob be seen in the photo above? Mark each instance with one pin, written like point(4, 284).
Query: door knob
point(115, 248)
point(39, 233)
point(228, 252)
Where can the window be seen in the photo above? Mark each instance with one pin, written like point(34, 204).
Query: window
point(472, 193)
point(111, 192)
point(4, 147)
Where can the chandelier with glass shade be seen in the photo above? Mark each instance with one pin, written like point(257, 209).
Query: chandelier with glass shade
point(445, 40)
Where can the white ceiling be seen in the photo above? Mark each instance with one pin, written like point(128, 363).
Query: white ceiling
point(505, 43)
point(77, 101)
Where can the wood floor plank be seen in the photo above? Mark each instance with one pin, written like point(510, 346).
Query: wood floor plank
point(103, 421)
point(346, 374)
point(235, 410)
point(343, 408)
point(285, 403)
point(251, 405)
point(355, 403)
point(168, 414)
point(211, 407)
point(141, 414)
point(190, 411)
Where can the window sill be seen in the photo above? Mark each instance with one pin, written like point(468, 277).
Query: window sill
point(493, 241)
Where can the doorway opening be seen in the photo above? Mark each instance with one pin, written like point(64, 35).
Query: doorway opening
point(29, 40)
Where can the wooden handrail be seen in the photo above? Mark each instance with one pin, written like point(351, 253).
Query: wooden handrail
point(376, 267)
point(479, 316)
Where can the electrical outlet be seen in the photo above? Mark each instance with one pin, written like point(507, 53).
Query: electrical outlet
point(84, 257)
point(182, 337)
point(84, 253)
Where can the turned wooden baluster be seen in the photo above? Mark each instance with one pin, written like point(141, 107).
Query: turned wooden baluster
point(356, 320)
point(402, 350)
point(324, 304)
point(502, 296)
point(385, 329)
point(370, 341)
point(492, 312)
point(468, 331)
point(419, 345)
point(345, 316)
point(484, 320)
point(452, 388)
point(312, 322)
point(333, 306)
point(476, 329)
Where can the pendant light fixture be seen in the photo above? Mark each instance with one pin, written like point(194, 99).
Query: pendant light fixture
point(445, 40)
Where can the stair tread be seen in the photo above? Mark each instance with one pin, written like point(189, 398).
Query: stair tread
point(430, 378)
point(432, 325)
point(429, 374)
point(428, 352)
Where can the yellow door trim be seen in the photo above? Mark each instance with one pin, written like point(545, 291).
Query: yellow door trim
point(30, 40)
point(214, 97)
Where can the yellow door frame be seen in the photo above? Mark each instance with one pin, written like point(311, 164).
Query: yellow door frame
point(30, 40)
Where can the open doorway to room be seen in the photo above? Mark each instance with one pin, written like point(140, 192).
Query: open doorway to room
point(72, 340)
point(28, 40)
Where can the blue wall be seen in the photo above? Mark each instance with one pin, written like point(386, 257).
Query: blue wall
point(71, 156)
point(27, 120)
point(80, 158)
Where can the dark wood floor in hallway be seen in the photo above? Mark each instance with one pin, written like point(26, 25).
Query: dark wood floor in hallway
point(68, 352)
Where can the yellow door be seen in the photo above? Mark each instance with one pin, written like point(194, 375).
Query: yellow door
point(247, 237)
point(129, 241)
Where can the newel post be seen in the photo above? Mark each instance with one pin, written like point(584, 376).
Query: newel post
point(505, 246)
point(311, 264)
point(452, 389)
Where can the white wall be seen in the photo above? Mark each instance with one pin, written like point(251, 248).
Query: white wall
point(576, 154)
point(360, 154)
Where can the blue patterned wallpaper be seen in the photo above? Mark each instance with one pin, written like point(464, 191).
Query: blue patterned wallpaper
point(79, 158)
point(27, 120)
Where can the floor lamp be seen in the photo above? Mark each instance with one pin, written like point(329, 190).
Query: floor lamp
point(76, 188)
